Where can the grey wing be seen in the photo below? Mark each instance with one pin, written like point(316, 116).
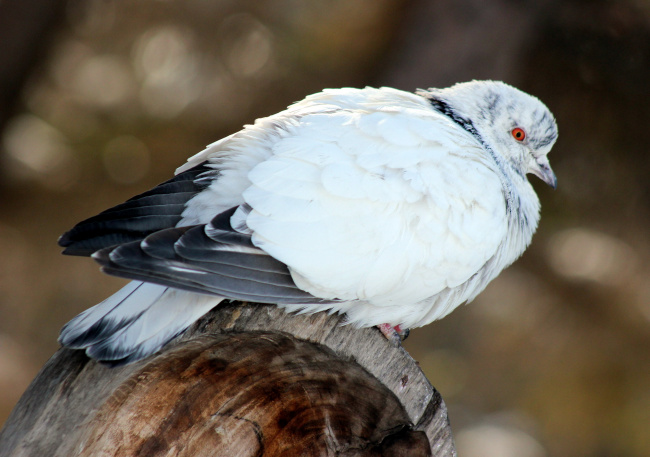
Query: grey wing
point(211, 259)
point(138, 217)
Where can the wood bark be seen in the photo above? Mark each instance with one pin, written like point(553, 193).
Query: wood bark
point(245, 380)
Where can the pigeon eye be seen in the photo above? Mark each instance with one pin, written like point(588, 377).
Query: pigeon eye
point(518, 134)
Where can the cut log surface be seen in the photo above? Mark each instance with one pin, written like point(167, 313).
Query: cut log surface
point(246, 380)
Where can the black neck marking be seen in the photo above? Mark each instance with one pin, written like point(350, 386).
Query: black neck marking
point(446, 110)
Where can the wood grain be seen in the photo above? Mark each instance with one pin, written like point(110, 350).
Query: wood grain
point(246, 380)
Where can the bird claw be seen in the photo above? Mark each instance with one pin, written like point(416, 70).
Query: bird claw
point(394, 334)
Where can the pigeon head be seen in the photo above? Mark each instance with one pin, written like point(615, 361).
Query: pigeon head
point(517, 127)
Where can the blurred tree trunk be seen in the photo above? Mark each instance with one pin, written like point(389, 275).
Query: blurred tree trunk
point(246, 380)
point(26, 28)
point(442, 43)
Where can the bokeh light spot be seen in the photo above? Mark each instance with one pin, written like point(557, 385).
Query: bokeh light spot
point(497, 441)
point(247, 44)
point(39, 151)
point(589, 255)
point(103, 80)
point(167, 65)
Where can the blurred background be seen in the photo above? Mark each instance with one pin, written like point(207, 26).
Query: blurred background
point(100, 100)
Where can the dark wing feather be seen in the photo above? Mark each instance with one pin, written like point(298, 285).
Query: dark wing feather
point(156, 209)
point(213, 259)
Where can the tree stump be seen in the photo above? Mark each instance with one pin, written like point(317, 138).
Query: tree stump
point(245, 380)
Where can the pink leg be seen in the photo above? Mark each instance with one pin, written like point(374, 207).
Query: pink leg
point(395, 334)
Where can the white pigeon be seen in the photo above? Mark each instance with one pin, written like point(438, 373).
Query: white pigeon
point(391, 207)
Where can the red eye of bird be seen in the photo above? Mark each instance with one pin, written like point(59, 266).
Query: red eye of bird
point(518, 134)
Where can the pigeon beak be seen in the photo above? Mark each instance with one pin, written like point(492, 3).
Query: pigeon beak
point(544, 172)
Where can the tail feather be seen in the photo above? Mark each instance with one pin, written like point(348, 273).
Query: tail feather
point(97, 323)
point(135, 322)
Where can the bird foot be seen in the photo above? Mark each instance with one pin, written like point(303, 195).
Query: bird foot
point(395, 334)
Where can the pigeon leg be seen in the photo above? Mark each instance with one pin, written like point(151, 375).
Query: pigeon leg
point(395, 334)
